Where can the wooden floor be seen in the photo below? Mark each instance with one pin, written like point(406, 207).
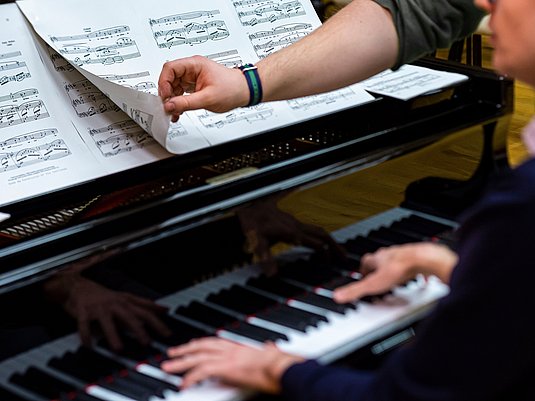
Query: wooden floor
point(348, 199)
point(524, 108)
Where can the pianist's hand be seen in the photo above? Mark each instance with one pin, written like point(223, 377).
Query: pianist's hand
point(264, 225)
point(395, 265)
point(209, 85)
point(111, 311)
point(235, 364)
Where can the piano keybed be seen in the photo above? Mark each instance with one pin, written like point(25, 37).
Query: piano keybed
point(294, 309)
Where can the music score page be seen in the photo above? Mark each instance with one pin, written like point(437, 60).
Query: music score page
point(78, 83)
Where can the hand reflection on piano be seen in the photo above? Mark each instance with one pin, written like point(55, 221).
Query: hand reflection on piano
point(101, 310)
point(264, 225)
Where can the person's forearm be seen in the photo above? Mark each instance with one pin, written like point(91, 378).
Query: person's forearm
point(354, 44)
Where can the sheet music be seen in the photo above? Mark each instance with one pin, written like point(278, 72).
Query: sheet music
point(123, 53)
point(78, 98)
point(40, 150)
point(115, 140)
point(410, 81)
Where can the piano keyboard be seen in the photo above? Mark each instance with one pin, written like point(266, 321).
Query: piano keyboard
point(293, 309)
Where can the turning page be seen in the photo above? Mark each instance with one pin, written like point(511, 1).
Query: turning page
point(120, 47)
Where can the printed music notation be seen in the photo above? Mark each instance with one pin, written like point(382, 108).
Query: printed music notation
point(59, 62)
point(408, 81)
point(267, 42)
point(120, 137)
point(252, 114)
point(113, 45)
point(23, 94)
point(176, 130)
point(10, 55)
point(13, 71)
point(257, 12)
point(20, 151)
point(25, 112)
point(142, 118)
point(190, 28)
point(229, 58)
point(308, 102)
point(123, 79)
point(87, 100)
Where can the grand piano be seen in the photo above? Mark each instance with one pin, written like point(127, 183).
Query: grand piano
point(179, 233)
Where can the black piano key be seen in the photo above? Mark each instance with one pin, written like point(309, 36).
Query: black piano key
point(220, 320)
point(421, 225)
point(132, 380)
point(361, 245)
point(309, 276)
point(338, 282)
point(41, 383)
point(205, 314)
point(181, 332)
point(6, 395)
point(249, 303)
point(253, 332)
point(241, 300)
point(133, 350)
point(282, 288)
point(81, 397)
point(157, 384)
point(86, 364)
point(392, 236)
point(125, 388)
point(284, 317)
point(275, 285)
point(325, 303)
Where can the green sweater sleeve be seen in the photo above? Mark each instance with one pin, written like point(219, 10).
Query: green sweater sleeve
point(426, 25)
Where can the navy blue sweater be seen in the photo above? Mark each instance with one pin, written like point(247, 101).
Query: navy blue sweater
point(479, 342)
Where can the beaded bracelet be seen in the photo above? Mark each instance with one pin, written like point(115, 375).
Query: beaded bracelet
point(253, 82)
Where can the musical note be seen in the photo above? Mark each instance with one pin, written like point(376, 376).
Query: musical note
point(255, 12)
point(229, 58)
point(308, 102)
point(10, 55)
point(25, 112)
point(124, 77)
point(114, 46)
point(268, 41)
point(88, 100)
point(120, 137)
point(182, 29)
point(191, 34)
point(23, 94)
point(249, 114)
point(183, 17)
point(20, 151)
point(100, 34)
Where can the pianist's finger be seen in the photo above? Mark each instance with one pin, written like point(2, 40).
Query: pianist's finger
point(372, 284)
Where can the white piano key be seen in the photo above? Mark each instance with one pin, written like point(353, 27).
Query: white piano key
point(157, 373)
point(107, 395)
point(209, 390)
point(369, 322)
